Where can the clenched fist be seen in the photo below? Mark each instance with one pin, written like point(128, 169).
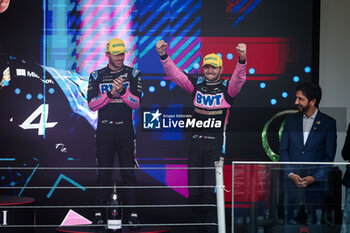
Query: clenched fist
point(161, 47)
point(242, 51)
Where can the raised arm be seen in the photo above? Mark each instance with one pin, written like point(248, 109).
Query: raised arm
point(172, 71)
point(239, 76)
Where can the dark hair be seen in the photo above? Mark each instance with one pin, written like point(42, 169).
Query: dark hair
point(311, 91)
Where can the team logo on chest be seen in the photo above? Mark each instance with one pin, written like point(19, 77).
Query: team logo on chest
point(208, 100)
point(105, 87)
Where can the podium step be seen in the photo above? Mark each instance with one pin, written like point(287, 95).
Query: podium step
point(86, 229)
point(11, 217)
point(7, 200)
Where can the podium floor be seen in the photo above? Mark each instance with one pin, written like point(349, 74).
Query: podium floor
point(87, 229)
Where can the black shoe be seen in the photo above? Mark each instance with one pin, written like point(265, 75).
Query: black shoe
point(301, 217)
point(98, 220)
point(134, 222)
point(266, 221)
point(311, 218)
point(280, 221)
point(292, 222)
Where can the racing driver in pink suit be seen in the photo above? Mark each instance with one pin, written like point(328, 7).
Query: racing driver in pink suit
point(212, 99)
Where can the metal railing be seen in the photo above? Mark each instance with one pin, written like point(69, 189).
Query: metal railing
point(219, 187)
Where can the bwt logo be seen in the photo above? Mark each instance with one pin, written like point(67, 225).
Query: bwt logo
point(105, 87)
point(208, 100)
point(151, 120)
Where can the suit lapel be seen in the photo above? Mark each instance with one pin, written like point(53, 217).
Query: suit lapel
point(300, 131)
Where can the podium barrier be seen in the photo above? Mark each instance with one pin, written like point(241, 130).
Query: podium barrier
point(145, 227)
point(257, 205)
point(268, 213)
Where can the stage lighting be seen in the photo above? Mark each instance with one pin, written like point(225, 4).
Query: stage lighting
point(251, 71)
point(296, 79)
point(273, 101)
point(307, 69)
point(152, 89)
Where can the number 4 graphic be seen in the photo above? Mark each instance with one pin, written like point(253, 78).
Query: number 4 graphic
point(27, 124)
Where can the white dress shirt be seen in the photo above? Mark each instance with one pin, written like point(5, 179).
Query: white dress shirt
point(307, 124)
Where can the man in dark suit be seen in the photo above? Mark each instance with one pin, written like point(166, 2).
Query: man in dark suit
point(308, 136)
point(346, 181)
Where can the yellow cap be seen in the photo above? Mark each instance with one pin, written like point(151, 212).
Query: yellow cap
point(116, 46)
point(212, 59)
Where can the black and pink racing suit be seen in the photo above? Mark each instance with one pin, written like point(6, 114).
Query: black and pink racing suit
point(115, 130)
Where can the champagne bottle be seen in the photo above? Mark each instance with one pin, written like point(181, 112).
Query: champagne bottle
point(114, 213)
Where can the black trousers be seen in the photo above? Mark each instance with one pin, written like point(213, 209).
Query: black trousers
point(203, 153)
point(311, 199)
point(108, 143)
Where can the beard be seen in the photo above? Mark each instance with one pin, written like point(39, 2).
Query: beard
point(117, 64)
point(303, 109)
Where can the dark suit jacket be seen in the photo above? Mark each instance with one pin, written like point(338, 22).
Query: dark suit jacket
point(346, 156)
point(319, 147)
